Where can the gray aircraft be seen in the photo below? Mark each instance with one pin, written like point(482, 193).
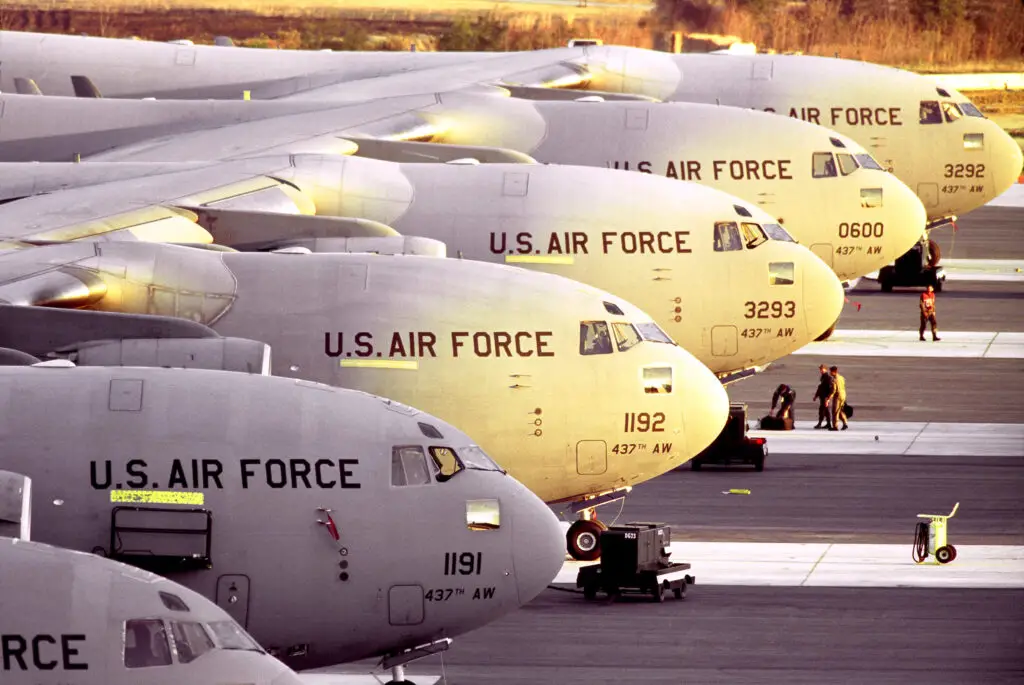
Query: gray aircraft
point(332, 524)
point(825, 188)
point(931, 136)
point(577, 393)
point(71, 618)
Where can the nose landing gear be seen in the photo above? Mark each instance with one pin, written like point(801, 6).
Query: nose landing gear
point(583, 541)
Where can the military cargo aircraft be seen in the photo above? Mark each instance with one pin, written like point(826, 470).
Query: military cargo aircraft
point(577, 393)
point(719, 275)
point(71, 618)
point(823, 187)
point(332, 524)
point(931, 136)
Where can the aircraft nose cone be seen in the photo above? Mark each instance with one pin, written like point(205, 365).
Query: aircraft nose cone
point(705, 405)
point(538, 545)
point(823, 294)
point(1007, 160)
point(905, 219)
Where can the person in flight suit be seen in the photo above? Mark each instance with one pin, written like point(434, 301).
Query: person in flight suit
point(928, 312)
point(838, 400)
point(826, 388)
point(788, 397)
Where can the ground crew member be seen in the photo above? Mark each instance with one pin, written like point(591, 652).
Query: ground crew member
point(928, 312)
point(826, 388)
point(838, 400)
point(788, 397)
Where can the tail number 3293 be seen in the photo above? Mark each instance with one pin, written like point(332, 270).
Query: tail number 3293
point(642, 422)
point(770, 309)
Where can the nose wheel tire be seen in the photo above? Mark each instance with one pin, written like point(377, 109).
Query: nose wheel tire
point(658, 592)
point(827, 334)
point(583, 541)
point(946, 554)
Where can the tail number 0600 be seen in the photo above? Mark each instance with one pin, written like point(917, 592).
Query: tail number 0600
point(770, 310)
point(642, 422)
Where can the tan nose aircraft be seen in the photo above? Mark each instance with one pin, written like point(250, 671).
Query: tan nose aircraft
point(576, 392)
point(332, 524)
point(719, 275)
point(74, 618)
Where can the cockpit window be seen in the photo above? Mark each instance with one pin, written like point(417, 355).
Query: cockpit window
point(625, 336)
point(777, 232)
point(594, 338)
point(145, 644)
point(753, 235)
point(473, 457)
point(481, 514)
point(448, 462)
point(974, 141)
point(612, 308)
point(836, 142)
point(847, 163)
point(173, 602)
point(409, 466)
point(866, 161)
point(951, 111)
point(430, 431)
point(870, 197)
point(781, 273)
point(657, 380)
point(190, 641)
point(823, 165)
point(970, 110)
point(229, 635)
point(727, 237)
point(651, 332)
point(930, 112)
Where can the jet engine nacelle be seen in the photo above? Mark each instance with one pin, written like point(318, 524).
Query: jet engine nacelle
point(221, 354)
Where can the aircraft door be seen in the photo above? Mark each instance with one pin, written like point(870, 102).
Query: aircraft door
point(824, 252)
point(233, 597)
point(724, 341)
point(405, 605)
point(929, 194)
point(591, 457)
point(15, 505)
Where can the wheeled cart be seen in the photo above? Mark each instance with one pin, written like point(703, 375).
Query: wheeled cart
point(635, 559)
point(654, 583)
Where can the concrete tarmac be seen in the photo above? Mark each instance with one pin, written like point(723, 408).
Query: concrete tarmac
point(985, 233)
point(757, 635)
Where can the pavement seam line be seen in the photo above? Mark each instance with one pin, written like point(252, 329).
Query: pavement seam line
point(809, 573)
point(989, 346)
point(914, 439)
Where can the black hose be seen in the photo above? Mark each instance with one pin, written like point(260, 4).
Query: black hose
point(920, 551)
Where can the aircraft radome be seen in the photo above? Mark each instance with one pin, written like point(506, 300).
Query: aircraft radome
point(931, 136)
point(332, 524)
point(73, 618)
point(718, 274)
point(574, 391)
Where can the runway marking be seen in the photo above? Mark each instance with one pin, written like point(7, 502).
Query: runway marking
point(988, 270)
point(840, 565)
point(893, 343)
point(898, 437)
point(1014, 197)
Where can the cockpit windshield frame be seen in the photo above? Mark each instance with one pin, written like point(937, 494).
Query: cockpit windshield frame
point(777, 232)
point(626, 335)
point(652, 332)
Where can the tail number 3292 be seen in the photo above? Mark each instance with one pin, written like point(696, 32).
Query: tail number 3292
point(770, 309)
point(642, 422)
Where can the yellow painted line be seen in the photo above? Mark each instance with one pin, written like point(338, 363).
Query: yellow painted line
point(156, 497)
point(538, 259)
point(379, 364)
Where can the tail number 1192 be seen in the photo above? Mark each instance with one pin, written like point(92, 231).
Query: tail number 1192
point(642, 422)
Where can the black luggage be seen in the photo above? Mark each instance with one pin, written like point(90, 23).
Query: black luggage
point(774, 423)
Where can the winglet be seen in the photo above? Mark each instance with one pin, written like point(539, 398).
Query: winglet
point(26, 86)
point(84, 87)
